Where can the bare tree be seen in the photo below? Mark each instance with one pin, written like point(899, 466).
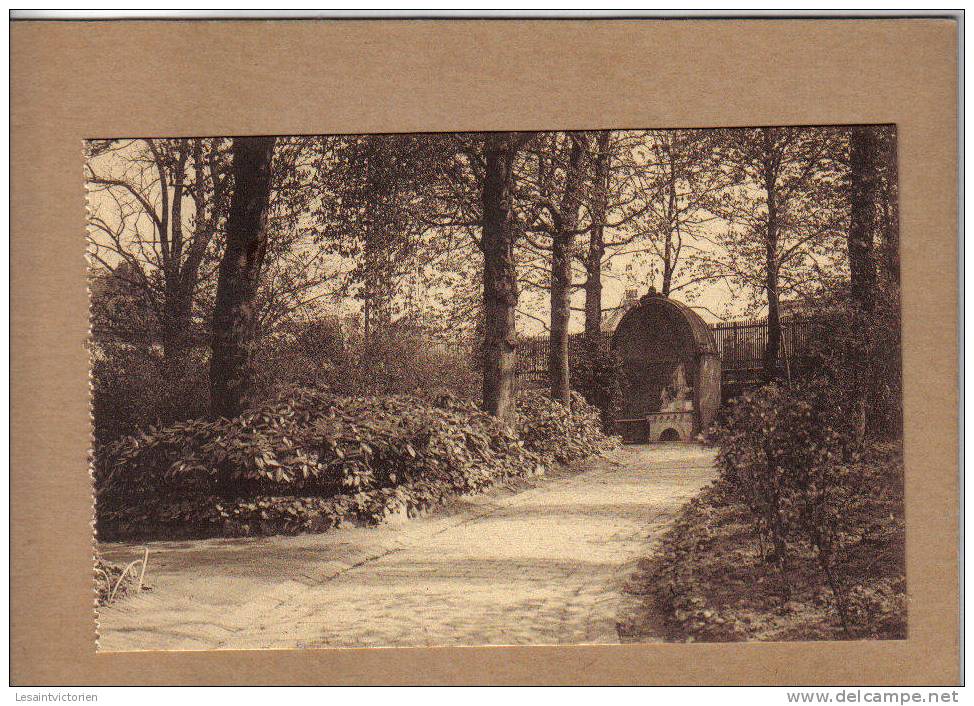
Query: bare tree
point(150, 185)
point(680, 177)
point(647, 201)
point(234, 315)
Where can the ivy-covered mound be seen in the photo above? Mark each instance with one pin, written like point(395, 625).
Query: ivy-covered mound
point(309, 461)
point(800, 538)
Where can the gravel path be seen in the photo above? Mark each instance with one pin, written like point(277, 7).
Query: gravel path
point(545, 565)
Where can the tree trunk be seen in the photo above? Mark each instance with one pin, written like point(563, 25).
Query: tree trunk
point(234, 317)
point(563, 241)
point(376, 285)
point(593, 294)
point(773, 345)
point(862, 266)
point(175, 329)
point(596, 244)
point(672, 219)
point(891, 220)
point(862, 167)
point(181, 297)
point(179, 307)
point(561, 279)
point(500, 279)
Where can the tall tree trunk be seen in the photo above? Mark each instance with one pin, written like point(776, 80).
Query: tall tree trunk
point(500, 278)
point(561, 280)
point(593, 290)
point(862, 266)
point(891, 220)
point(773, 345)
point(563, 241)
point(234, 316)
point(175, 331)
point(671, 222)
point(862, 166)
point(596, 244)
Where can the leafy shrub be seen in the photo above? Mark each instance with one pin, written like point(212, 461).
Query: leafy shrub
point(786, 453)
point(133, 388)
point(597, 375)
point(309, 460)
point(309, 444)
point(777, 450)
point(853, 350)
point(712, 576)
point(561, 432)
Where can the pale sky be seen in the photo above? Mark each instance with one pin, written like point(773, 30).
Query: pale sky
point(627, 272)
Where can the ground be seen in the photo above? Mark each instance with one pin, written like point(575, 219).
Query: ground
point(543, 565)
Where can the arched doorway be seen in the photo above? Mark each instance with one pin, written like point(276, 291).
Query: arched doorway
point(670, 434)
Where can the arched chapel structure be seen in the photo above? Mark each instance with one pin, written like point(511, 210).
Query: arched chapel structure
point(671, 371)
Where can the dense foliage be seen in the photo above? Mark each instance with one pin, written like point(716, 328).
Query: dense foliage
point(310, 460)
point(597, 375)
point(717, 583)
point(397, 361)
point(564, 433)
point(852, 349)
point(788, 455)
point(134, 387)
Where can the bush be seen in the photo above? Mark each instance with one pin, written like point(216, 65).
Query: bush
point(854, 350)
point(712, 576)
point(597, 375)
point(133, 388)
point(308, 444)
point(309, 461)
point(787, 453)
point(563, 433)
point(318, 355)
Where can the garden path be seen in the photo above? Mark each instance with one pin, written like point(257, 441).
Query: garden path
point(543, 565)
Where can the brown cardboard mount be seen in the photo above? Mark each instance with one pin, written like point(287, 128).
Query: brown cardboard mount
point(75, 80)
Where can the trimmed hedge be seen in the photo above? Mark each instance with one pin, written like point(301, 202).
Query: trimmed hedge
point(309, 461)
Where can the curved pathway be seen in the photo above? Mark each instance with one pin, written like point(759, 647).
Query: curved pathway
point(545, 565)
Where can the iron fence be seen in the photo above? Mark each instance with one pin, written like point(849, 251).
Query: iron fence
point(740, 345)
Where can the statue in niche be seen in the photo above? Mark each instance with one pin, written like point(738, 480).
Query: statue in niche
point(677, 396)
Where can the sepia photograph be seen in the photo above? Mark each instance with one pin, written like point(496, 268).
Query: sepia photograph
point(502, 388)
